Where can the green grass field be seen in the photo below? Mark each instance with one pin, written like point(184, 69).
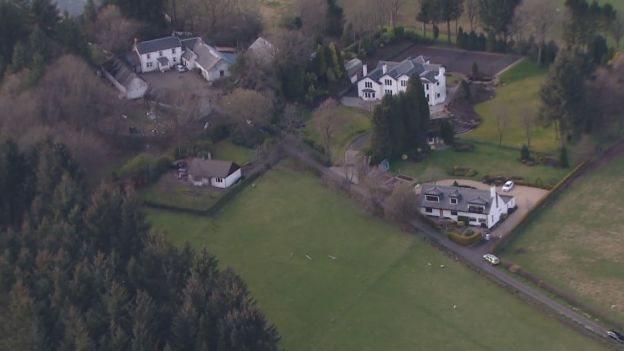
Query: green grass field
point(226, 150)
point(366, 285)
point(516, 98)
point(347, 123)
point(577, 242)
point(486, 159)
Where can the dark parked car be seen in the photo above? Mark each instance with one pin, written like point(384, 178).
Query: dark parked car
point(615, 335)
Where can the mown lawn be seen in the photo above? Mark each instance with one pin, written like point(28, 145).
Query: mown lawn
point(171, 191)
point(334, 278)
point(347, 123)
point(578, 241)
point(226, 150)
point(516, 98)
point(485, 159)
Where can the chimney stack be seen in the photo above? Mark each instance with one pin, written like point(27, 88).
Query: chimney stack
point(493, 192)
point(384, 68)
point(364, 70)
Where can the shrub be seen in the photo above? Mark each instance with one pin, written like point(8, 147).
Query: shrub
point(464, 240)
point(219, 133)
point(525, 154)
point(563, 158)
point(463, 147)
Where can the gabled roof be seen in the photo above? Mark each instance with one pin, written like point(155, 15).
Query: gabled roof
point(262, 49)
point(159, 44)
point(207, 56)
point(198, 167)
point(354, 66)
point(465, 197)
point(407, 67)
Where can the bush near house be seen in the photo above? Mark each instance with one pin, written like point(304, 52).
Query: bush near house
point(145, 168)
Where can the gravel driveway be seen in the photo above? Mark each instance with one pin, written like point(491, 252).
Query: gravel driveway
point(526, 199)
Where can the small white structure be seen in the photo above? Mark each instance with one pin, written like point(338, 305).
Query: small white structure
point(159, 54)
point(391, 78)
point(212, 62)
point(219, 174)
point(129, 84)
point(480, 207)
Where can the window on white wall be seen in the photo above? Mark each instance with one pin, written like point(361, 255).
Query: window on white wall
point(368, 84)
point(388, 82)
point(403, 83)
point(388, 92)
point(160, 53)
point(149, 56)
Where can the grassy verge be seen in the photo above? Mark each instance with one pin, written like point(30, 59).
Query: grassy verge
point(333, 278)
point(576, 243)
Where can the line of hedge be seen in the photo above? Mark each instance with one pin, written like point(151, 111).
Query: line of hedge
point(464, 240)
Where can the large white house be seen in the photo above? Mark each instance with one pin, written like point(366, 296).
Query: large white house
point(211, 62)
point(390, 78)
point(159, 54)
point(480, 207)
point(217, 173)
point(165, 53)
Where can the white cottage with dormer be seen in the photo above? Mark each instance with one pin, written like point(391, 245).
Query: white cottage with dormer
point(391, 78)
point(159, 54)
point(481, 208)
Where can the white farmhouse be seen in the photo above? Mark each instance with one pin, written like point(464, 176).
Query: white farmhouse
point(480, 207)
point(390, 78)
point(219, 174)
point(211, 62)
point(159, 54)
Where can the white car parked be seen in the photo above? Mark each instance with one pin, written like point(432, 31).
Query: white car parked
point(508, 186)
point(491, 259)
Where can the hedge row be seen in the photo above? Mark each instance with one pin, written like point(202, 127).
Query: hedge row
point(464, 240)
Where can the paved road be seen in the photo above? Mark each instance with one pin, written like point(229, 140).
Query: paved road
point(468, 255)
point(474, 258)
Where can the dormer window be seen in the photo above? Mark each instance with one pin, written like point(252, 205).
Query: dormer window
point(476, 208)
point(432, 198)
point(454, 201)
point(160, 53)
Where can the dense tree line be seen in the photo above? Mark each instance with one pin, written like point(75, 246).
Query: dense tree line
point(311, 81)
point(32, 32)
point(400, 124)
point(81, 271)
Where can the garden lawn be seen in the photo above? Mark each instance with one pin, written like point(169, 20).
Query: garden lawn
point(170, 191)
point(485, 159)
point(577, 242)
point(226, 150)
point(347, 123)
point(517, 97)
point(332, 277)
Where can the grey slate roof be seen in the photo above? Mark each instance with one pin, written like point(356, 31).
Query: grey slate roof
point(465, 197)
point(354, 66)
point(163, 60)
point(211, 168)
point(159, 44)
point(409, 67)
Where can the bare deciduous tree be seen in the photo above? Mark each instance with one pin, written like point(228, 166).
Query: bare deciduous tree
point(472, 12)
point(501, 123)
point(617, 29)
point(537, 18)
point(248, 107)
point(112, 31)
point(401, 205)
point(325, 125)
